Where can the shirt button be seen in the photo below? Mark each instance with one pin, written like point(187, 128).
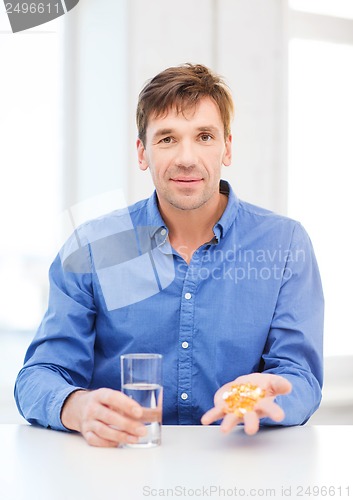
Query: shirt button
point(185, 345)
point(187, 296)
point(184, 396)
point(163, 232)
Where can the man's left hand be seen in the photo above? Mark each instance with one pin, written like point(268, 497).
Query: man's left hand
point(273, 385)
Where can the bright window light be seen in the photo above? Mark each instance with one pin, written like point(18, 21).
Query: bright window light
point(320, 172)
point(336, 8)
point(30, 188)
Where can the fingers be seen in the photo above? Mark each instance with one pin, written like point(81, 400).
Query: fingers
point(97, 440)
point(108, 418)
point(273, 384)
point(94, 440)
point(119, 402)
point(212, 415)
point(251, 420)
point(114, 420)
point(229, 422)
point(251, 423)
point(103, 435)
point(280, 385)
point(267, 408)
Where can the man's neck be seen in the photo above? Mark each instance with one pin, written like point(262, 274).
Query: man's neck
point(189, 229)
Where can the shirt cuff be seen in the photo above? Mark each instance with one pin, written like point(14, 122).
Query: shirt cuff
point(56, 405)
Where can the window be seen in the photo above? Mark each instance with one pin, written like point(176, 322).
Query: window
point(335, 8)
point(320, 151)
point(30, 187)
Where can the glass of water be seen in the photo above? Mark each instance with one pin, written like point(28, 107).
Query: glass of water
point(141, 380)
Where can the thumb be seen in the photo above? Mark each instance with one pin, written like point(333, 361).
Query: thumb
point(280, 385)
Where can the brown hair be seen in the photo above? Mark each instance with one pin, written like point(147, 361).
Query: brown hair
point(182, 87)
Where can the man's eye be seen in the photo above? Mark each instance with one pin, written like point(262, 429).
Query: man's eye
point(166, 140)
point(206, 137)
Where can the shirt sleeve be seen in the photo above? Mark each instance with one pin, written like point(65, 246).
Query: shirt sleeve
point(295, 341)
point(60, 357)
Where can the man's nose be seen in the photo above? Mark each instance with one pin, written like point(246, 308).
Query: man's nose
point(186, 155)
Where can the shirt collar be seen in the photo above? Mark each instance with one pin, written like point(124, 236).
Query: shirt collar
point(154, 218)
point(155, 221)
point(230, 213)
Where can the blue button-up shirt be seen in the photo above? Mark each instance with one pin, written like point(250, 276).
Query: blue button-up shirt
point(249, 301)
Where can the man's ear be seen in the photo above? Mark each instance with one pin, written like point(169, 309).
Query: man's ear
point(227, 156)
point(141, 155)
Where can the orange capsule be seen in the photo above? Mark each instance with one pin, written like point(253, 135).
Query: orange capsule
point(242, 398)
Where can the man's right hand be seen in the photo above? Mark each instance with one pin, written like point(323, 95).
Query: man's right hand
point(104, 417)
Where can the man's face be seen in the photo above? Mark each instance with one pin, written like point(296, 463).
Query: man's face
point(185, 153)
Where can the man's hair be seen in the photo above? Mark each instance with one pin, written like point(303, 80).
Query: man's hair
point(181, 88)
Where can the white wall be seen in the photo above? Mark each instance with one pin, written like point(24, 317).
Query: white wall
point(95, 113)
point(251, 53)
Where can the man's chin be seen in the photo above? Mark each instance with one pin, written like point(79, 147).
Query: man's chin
point(187, 203)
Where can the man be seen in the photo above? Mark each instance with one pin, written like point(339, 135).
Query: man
point(228, 292)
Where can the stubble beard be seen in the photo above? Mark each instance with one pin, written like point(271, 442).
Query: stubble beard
point(188, 202)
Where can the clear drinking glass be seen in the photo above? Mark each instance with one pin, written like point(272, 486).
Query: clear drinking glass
point(141, 380)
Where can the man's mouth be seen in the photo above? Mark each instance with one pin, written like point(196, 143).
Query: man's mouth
point(186, 180)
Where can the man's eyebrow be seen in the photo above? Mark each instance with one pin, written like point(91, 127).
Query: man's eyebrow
point(208, 128)
point(162, 131)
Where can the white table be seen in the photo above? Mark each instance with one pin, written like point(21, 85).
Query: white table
point(193, 462)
